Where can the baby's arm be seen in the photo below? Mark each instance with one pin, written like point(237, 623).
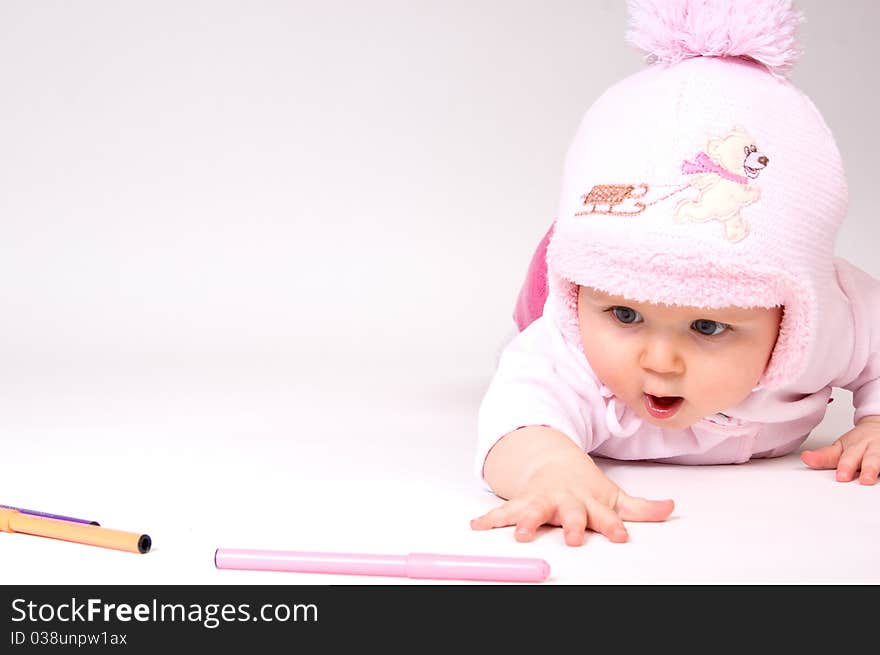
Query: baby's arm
point(544, 473)
point(546, 478)
point(856, 454)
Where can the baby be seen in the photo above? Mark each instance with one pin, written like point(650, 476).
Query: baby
point(686, 305)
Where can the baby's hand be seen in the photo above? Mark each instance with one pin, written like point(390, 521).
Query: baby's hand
point(857, 450)
point(577, 496)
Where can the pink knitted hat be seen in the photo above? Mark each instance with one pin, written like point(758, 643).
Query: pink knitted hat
point(707, 179)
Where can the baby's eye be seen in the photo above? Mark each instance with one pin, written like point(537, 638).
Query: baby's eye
point(709, 328)
point(626, 315)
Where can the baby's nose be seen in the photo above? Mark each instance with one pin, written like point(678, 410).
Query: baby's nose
point(660, 356)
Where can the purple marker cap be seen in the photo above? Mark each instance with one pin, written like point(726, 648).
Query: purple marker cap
point(50, 516)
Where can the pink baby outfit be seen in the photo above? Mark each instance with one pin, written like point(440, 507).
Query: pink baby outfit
point(707, 180)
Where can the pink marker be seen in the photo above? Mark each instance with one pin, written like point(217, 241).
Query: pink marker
point(413, 565)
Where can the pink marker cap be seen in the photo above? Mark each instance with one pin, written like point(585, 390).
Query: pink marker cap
point(468, 567)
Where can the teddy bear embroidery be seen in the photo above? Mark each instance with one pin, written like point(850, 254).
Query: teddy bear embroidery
point(722, 176)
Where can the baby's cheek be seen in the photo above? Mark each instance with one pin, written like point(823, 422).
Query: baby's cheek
point(726, 381)
point(609, 367)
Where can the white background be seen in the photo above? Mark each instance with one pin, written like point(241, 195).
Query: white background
point(257, 258)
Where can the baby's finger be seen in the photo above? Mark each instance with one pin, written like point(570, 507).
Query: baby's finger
point(605, 520)
point(537, 512)
point(499, 517)
point(870, 465)
point(633, 508)
point(823, 458)
point(573, 518)
point(850, 460)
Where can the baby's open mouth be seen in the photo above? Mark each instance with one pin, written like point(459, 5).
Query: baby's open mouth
point(663, 406)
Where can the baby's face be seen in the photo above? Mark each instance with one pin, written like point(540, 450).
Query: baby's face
point(674, 365)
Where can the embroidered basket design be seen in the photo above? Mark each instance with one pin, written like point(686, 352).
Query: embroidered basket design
point(610, 196)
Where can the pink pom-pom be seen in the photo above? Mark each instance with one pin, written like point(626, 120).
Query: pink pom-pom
point(761, 30)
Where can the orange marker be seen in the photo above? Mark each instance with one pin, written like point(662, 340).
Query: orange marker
point(93, 535)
